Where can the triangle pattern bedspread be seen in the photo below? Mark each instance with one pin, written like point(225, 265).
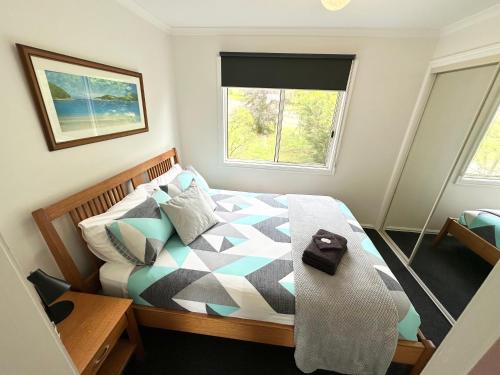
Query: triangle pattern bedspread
point(242, 267)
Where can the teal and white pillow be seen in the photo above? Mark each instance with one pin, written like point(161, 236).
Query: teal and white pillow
point(199, 178)
point(141, 233)
point(183, 181)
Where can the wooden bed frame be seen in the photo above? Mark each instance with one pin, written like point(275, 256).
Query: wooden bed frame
point(100, 197)
point(477, 244)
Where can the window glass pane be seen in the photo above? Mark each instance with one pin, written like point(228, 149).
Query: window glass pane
point(252, 122)
point(307, 125)
point(486, 161)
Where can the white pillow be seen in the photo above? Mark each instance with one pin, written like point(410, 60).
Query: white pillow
point(114, 278)
point(168, 177)
point(94, 228)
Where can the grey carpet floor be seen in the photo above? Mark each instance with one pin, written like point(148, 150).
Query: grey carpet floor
point(450, 270)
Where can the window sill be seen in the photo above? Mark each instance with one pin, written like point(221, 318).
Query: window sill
point(464, 181)
point(308, 169)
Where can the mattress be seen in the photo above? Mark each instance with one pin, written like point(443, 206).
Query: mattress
point(483, 222)
point(241, 268)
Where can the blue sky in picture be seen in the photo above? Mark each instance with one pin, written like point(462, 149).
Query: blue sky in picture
point(83, 87)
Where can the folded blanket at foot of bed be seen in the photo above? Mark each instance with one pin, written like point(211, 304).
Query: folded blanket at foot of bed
point(363, 336)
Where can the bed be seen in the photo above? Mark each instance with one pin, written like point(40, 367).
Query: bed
point(241, 268)
point(479, 230)
point(227, 313)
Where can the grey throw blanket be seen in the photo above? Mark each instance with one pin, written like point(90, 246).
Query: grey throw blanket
point(347, 322)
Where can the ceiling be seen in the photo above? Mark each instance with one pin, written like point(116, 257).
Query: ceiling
point(411, 14)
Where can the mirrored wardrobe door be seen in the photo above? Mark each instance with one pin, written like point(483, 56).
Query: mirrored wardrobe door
point(452, 105)
point(462, 238)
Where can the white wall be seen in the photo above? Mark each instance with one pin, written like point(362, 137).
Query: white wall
point(475, 32)
point(390, 71)
point(28, 345)
point(32, 177)
point(458, 198)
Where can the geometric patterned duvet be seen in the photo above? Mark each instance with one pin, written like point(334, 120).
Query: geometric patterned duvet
point(242, 267)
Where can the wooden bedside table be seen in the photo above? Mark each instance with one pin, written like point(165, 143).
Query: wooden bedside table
point(92, 333)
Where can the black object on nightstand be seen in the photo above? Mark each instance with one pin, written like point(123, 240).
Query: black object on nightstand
point(50, 288)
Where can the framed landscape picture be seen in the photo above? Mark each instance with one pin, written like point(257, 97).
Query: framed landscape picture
point(80, 101)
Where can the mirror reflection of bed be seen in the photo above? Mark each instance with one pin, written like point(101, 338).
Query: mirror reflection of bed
point(444, 217)
point(452, 270)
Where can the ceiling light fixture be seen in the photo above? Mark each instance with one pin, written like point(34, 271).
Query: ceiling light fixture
point(334, 5)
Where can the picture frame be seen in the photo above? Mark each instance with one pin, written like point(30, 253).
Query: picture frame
point(80, 101)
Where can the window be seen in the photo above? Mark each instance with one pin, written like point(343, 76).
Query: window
point(287, 123)
point(484, 166)
point(281, 126)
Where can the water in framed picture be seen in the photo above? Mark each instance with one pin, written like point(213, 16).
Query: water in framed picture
point(80, 101)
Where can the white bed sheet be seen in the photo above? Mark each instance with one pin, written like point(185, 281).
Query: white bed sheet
point(114, 278)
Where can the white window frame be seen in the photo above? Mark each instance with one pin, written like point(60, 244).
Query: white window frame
point(338, 121)
point(462, 179)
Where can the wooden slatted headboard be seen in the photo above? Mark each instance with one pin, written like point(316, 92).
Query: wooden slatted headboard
point(90, 202)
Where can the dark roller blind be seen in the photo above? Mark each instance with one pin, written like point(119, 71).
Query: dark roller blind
point(285, 71)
